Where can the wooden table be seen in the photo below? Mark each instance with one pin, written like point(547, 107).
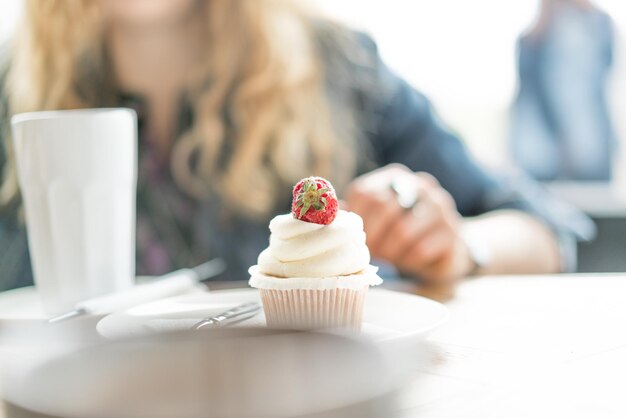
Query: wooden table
point(542, 346)
point(548, 346)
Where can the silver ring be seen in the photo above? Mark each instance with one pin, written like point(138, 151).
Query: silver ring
point(407, 195)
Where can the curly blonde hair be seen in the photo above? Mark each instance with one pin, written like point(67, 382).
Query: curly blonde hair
point(263, 69)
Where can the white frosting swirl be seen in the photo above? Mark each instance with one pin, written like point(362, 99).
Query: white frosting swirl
point(304, 249)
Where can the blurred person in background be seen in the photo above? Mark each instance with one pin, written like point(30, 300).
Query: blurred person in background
point(239, 99)
point(561, 126)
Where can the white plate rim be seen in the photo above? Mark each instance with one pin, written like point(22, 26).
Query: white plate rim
point(442, 313)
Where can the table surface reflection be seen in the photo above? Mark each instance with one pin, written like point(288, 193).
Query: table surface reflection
point(540, 346)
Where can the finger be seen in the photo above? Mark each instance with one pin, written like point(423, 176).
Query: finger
point(354, 200)
point(435, 244)
point(428, 179)
point(408, 230)
point(361, 202)
point(385, 174)
point(443, 200)
point(379, 179)
point(376, 209)
point(379, 218)
point(449, 267)
point(393, 240)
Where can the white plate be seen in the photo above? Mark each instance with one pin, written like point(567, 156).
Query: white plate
point(21, 304)
point(388, 315)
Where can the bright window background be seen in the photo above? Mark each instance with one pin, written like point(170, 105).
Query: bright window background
point(9, 13)
point(460, 53)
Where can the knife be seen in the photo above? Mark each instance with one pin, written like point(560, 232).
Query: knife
point(171, 284)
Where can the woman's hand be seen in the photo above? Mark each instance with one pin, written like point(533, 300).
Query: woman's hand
point(423, 240)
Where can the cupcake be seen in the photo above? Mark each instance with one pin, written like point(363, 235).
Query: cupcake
point(316, 271)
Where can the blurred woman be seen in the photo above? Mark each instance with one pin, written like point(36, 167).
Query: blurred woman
point(562, 128)
point(237, 100)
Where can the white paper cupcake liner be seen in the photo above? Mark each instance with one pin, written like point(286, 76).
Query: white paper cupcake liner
point(314, 309)
point(314, 302)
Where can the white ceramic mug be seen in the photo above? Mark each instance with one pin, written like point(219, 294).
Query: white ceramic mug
point(77, 171)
